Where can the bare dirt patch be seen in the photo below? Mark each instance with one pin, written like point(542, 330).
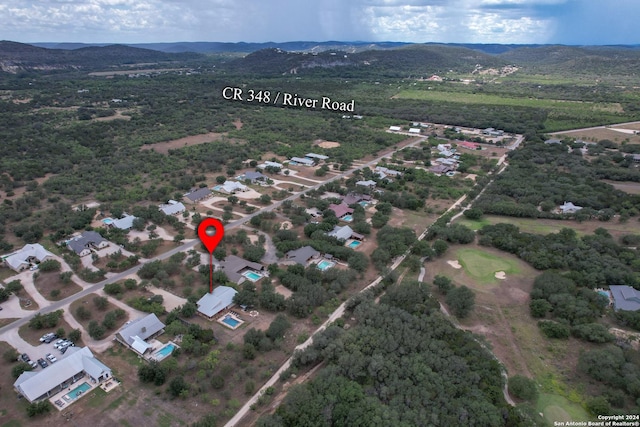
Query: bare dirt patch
point(164, 147)
point(500, 275)
point(52, 288)
point(327, 144)
point(597, 134)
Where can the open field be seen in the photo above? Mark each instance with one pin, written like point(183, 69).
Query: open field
point(546, 226)
point(501, 316)
point(164, 147)
point(626, 186)
point(473, 98)
point(600, 133)
point(483, 266)
point(559, 408)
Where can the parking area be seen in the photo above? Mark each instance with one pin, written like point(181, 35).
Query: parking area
point(41, 351)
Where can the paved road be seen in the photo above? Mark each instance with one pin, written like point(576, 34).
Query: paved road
point(188, 245)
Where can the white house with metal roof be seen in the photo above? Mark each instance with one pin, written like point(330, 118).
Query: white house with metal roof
point(231, 187)
point(314, 156)
point(213, 303)
point(30, 253)
point(77, 363)
point(303, 161)
point(172, 208)
point(135, 334)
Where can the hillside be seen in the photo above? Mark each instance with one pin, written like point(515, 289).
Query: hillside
point(16, 57)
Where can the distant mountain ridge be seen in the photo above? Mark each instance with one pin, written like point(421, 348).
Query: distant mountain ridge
point(355, 59)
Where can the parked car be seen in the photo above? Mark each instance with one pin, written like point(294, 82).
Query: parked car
point(43, 363)
point(61, 343)
point(46, 336)
point(33, 364)
point(63, 349)
point(51, 358)
point(24, 357)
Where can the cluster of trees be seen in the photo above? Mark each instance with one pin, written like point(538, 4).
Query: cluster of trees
point(46, 321)
point(543, 176)
point(392, 242)
point(593, 260)
point(258, 340)
point(402, 363)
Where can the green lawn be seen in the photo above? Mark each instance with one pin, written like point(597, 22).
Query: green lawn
point(482, 266)
point(559, 408)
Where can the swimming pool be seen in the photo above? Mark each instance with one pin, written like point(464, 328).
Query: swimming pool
point(166, 350)
point(604, 294)
point(347, 218)
point(363, 203)
point(229, 320)
point(76, 392)
point(325, 265)
point(217, 188)
point(252, 275)
point(108, 221)
point(354, 244)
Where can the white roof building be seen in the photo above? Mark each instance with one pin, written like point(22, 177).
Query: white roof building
point(303, 161)
point(569, 207)
point(316, 156)
point(124, 223)
point(77, 361)
point(369, 183)
point(172, 208)
point(231, 187)
point(270, 164)
point(29, 253)
point(213, 303)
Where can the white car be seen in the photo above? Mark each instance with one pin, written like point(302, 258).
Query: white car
point(33, 364)
point(51, 358)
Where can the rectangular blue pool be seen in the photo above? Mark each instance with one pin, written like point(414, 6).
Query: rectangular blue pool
point(229, 320)
point(252, 275)
point(347, 218)
point(354, 244)
point(325, 265)
point(166, 350)
point(76, 392)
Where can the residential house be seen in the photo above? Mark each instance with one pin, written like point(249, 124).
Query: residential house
point(302, 255)
point(269, 164)
point(415, 130)
point(344, 233)
point(77, 363)
point(449, 162)
point(395, 128)
point(352, 198)
point(469, 145)
point(368, 184)
point(196, 195)
point(387, 172)
point(569, 208)
point(553, 141)
point(625, 298)
point(213, 303)
point(87, 242)
point(137, 333)
point(254, 177)
point(232, 187)
point(440, 169)
point(172, 208)
point(124, 223)
point(234, 267)
point(341, 210)
point(303, 161)
point(492, 132)
point(29, 254)
point(316, 157)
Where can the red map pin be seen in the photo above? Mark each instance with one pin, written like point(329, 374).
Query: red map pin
point(210, 232)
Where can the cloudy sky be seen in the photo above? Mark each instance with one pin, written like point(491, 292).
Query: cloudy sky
point(468, 21)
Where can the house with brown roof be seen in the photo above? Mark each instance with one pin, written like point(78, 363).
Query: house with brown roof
point(341, 210)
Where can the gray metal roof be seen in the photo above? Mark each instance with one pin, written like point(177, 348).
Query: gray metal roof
point(33, 385)
point(341, 233)
point(213, 303)
point(172, 208)
point(233, 265)
point(253, 175)
point(124, 223)
point(302, 255)
point(625, 297)
point(36, 250)
point(198, 194)
point(143, 328)
point(303, 160)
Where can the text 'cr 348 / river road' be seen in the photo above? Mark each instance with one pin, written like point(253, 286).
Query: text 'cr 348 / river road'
point(285, 99)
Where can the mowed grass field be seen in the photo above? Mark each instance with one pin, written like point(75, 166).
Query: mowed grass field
point(487, 99)
point(546, 226)
point(482, 266)
point(557, 408)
